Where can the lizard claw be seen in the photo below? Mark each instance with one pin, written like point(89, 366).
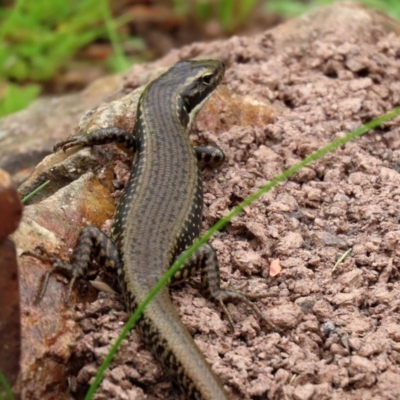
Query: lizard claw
point(72, 141)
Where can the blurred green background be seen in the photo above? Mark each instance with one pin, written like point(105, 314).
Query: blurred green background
point(56, 47)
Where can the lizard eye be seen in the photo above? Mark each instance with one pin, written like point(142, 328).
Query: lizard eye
point(207, 79)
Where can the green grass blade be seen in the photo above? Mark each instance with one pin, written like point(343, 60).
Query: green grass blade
point(35, 191)
point(221, 223)
point(120, 61)
point(226, 14)
point(5, 388)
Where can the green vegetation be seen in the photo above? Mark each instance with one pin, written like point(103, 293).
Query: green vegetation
point(296, 7)
point(5, 390)
point(16, 97)
point(230, 14)
point(38, 38)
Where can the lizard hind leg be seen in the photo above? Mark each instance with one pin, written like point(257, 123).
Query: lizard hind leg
point(205, 260)
point(92, 244)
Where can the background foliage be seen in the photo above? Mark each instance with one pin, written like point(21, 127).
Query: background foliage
point(40, 39)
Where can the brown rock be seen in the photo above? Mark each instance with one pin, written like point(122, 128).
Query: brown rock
point(29, 135)
point(10, 319)
point(48, 328)
point(10, 206)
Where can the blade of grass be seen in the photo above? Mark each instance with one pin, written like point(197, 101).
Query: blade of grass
point(120, 60)
point(221, 223)
point(35, 191)
point(341, 259)
point(6, 387)
point(226, 14)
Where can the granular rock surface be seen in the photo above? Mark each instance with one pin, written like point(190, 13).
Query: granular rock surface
point(340, 328)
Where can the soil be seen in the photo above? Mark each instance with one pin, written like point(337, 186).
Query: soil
point(340, 323)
